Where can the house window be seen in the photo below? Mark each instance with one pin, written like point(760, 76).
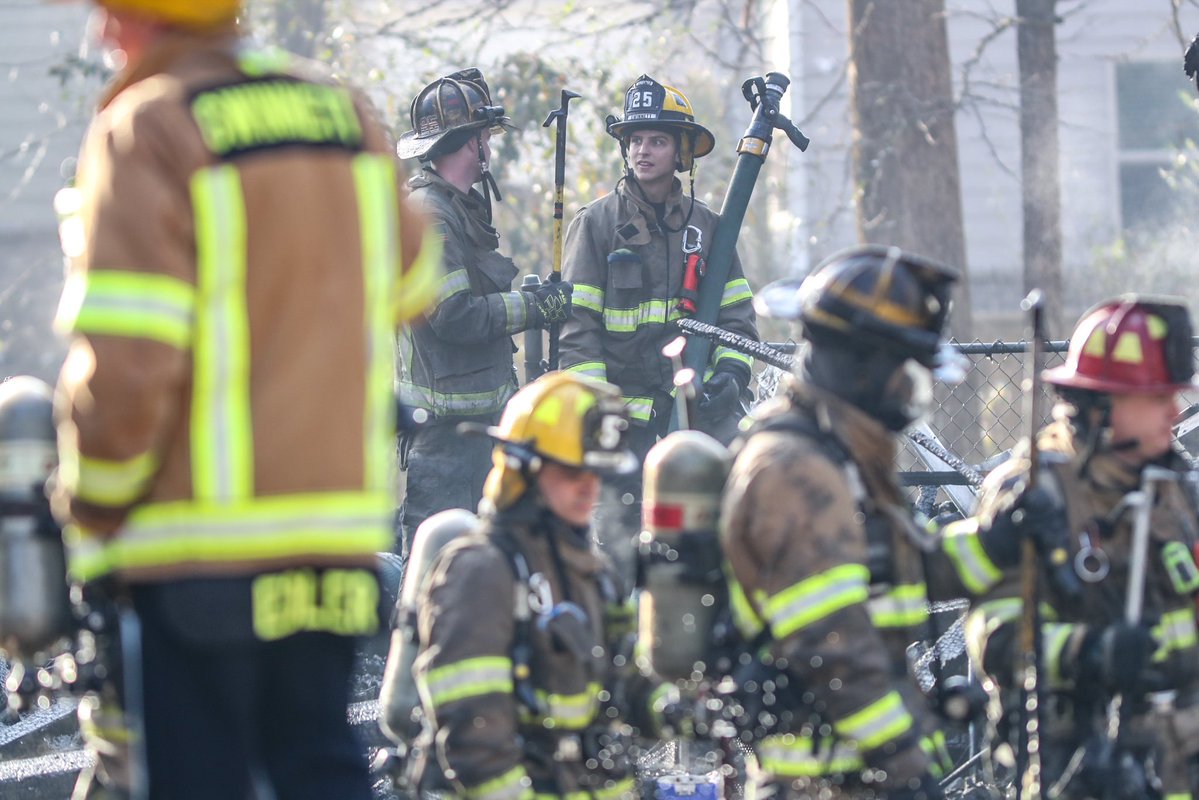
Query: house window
point(1157, 117)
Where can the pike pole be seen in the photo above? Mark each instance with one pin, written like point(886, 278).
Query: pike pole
point(763, 95)
point(558, 115)
point(1028, 654)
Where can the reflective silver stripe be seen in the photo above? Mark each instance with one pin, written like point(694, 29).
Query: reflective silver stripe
point(222, 447)
point(640, 408)
point(626, 320)
point(791, 756)
point(512, 785)
point(454, 283)
point(471, 677)
point(1054, 636)
point(744, 617)
point(815, 598)
point(107, 483)
point(735, 291)
point(454, 404)
point(973, 566)
point(877, 723)
point(1176, 631)
point(592, 369)
point(903, 606)
point(569, 711)
point(135, 304)
point(723, 352)
point(516, 312)
point(378, 215)
point(589, 297)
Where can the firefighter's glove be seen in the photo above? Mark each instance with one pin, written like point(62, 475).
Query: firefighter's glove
point(549, 303)
point(1119, 659)
point(719, 397)
point(1035, 514)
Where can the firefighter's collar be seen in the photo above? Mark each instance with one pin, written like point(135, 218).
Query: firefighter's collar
point(170, 46)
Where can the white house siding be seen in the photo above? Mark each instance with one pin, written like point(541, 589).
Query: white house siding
point(43, 124)
point(1091, 40)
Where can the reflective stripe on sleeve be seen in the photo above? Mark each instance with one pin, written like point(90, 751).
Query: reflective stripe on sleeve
point(588, 297)
point(791, 756)
point(902, 606)
point(512, 785)
point(1176, 631)
point(640, 408)
point(816, 598)
point(107, 483)
point(591, 369)
point(722, 353)
point(134, 304)
point(414, 290)
point(971, 562)
point(735, 291)
point(471, 677)
point(516, 312)
point(454, 283)
point(877, 723)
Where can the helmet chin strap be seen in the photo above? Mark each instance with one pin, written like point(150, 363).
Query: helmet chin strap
point(489, 185)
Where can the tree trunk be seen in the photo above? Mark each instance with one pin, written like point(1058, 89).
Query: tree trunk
point(1037, 53)
point(905, 162)
point(905, 145)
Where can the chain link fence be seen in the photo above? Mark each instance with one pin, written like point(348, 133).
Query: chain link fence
point(982, 418)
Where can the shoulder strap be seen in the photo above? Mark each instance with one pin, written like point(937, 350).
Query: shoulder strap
point(792, 422)
point(522, 641)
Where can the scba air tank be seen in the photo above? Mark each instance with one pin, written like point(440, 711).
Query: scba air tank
point(34, 599)
point(683, 479)
point(399, 699)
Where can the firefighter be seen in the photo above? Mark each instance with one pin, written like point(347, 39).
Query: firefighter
point(628, 255)
point(240, 253)
point(1129, 357)
point(829, 575)
point(458, 367)
point(527, 698)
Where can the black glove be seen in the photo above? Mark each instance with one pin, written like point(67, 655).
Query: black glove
point(719, 397)
point(549, 303)
point(1118, 658)
point(927, 788)
point(1035, 514)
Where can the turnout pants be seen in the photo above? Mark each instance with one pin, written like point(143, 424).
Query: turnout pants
point(227, 714)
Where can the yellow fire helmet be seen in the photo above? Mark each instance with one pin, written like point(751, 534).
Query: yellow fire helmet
point(185, 13)
point(562, 417)
point(649, 104)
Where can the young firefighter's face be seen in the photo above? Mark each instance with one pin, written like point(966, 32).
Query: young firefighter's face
point(652, 155)
point(1148, 420)
point(571, 493)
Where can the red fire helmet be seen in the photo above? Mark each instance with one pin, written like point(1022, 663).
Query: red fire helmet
point(1130, 345)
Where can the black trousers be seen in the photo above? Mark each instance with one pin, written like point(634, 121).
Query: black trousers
point(225, 712)
point(445, 470)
